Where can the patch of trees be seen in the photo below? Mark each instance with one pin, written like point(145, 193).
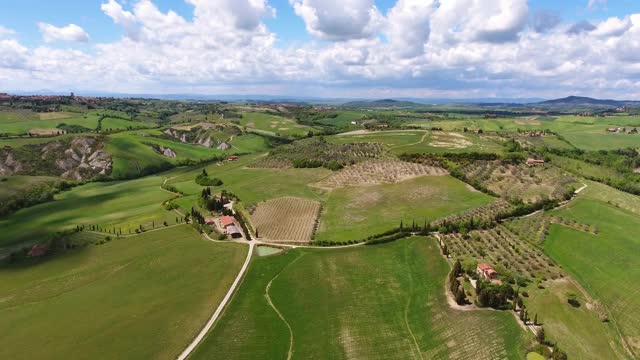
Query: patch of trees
point(455, 286)
point(72, 129)
point(204, 179)
point(623, 162)
point(494, 295)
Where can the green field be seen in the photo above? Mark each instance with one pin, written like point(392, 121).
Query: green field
point(420, 141)
point(273, 124)
point(16, 184)
point(109, 124)
point(255, 185)
point(380, 302)
point(606, 264)
point(15, 125)
point(353, 213)
point(578, 331)
point(133, 154)
point(144, 297)
point(123, 204)
point(588, 133)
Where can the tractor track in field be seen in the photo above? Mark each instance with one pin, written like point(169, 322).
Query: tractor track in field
point(408, 305)
point(268, 298)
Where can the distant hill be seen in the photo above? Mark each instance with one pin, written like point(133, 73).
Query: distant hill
point(581, 101)
point(383, 103)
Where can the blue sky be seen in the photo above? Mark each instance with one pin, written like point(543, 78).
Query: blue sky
point(24, 15)
point(364, 48)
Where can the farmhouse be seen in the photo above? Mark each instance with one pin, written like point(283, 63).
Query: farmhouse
point(534, 162)
point(233, 231)
point(38, 250)
point(232, 158)
point(485, 271)
point(226, 221)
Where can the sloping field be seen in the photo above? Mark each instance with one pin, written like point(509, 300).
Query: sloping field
point(124, 205)
point(382, 302)
point(12, 123)
point(607, 264)
point(353, 213)
point(143, 297)
point(378, 172)
point(578, 330)
point(273, 124)
point(286, 219)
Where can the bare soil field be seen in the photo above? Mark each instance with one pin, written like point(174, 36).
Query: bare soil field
point(449, 140)
point(378, 172)
point(286, 219)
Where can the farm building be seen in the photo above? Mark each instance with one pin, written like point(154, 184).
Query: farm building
point(534, 162)
point(485, 271)
point(233, 231)
point(209, 220)
point(38, 250)
point(226, 221)
point(232, 158)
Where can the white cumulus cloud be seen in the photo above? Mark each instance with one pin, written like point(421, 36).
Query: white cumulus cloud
point(71, 32)
point(339, 20)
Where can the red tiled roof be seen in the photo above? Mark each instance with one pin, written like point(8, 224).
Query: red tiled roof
point(226, 220)
point(484, 267)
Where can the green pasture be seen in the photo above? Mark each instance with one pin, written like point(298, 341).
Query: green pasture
point(588, 133)
point(353, 213)
point(578, 331)
point(614, 197)
point(143, 297)
point(120, 124)
point(273, 124)
point(417, 141)
point(254, 185)
point(123, 204)
point(16, 184)
point(15, 126)
point(606, 264)
point(378, 302)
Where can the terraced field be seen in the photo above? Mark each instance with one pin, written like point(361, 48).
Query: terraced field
point(286, 219)
point(382, 302)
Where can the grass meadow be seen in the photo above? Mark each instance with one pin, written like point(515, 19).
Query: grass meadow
point(378, 302)
point(143, 297)
point(587, 133)
point(423, 141)
point(273, 124)
point(353, 213)
point(121, 204)
point(606, 264)
point(578, 331)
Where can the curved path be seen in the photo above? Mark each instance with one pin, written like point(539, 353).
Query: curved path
point(219, 309)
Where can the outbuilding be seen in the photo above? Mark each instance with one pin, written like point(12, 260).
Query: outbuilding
point(234, 232)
